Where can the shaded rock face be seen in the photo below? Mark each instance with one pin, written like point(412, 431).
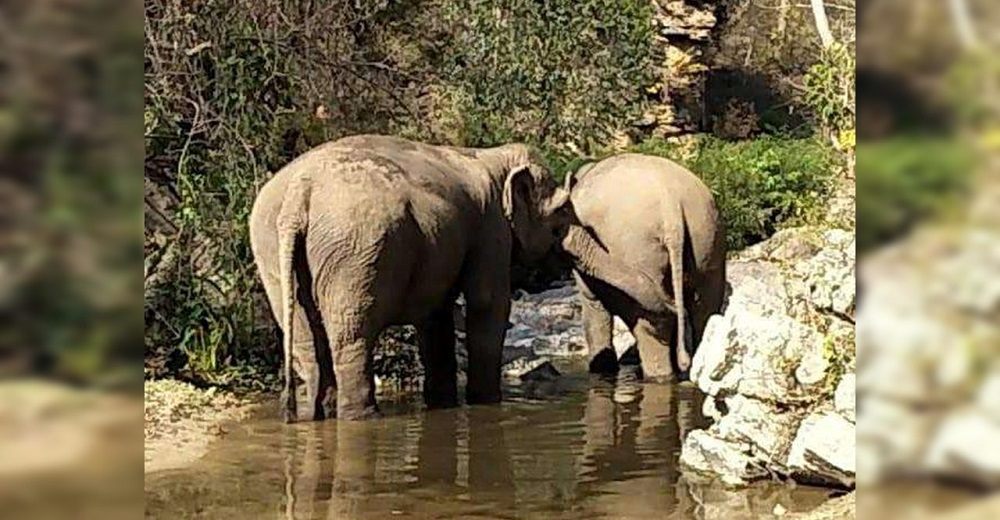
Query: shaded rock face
point(778, 364)
point(682, 30)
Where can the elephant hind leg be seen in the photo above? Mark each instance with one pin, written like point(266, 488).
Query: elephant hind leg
point(352, 364)
point(310, 354)
point(653, 339)
point(348, 321)
point(597, 328)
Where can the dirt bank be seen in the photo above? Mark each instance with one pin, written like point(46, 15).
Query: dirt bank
point(181, 420)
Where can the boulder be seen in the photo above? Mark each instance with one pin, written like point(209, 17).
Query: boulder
point(767, 345)
point(926, 327)
point(730, 462)
point(526, 369)
point(823, 451)
point(776, 356)
point(988, 399)
point(765, 428)
point(829, 274)
point(844, 397)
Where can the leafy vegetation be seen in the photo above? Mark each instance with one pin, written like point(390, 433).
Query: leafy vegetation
point(550, 73)
point(829, 93)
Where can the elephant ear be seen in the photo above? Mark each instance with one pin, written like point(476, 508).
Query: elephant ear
point(517, 190)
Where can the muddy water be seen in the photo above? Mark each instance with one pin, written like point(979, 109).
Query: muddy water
point(577, 448)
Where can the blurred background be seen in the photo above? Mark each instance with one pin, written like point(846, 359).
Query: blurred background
point(70, 254)
point(928, 329)
point(75, 118)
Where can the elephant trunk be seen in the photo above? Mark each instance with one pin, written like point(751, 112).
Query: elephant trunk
point(591, 259)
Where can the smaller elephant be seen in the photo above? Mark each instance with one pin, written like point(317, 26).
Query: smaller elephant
point(661, 221)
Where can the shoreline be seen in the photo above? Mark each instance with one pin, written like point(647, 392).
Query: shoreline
point(181, 421)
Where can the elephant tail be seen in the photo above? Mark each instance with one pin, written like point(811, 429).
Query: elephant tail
point(677, 223)
point(293, 219)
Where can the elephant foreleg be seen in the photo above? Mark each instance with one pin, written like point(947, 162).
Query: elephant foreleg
point(487, 306)
point(437, 354)
point(485, 328)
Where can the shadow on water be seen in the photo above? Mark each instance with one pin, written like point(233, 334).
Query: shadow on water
point(582, 448)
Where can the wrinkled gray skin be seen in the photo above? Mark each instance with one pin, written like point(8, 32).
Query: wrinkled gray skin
point(371, 231)
point(661, 220)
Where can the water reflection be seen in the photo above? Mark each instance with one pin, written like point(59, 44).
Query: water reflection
point(633, 432)
point(592, 449)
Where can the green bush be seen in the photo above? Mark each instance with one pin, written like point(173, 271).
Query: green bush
point(760, 184)
point(905, 180)
point(549, 73)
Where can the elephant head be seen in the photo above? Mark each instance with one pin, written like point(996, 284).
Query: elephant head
point(538, 209)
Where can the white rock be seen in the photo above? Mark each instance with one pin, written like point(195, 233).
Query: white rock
point(813, 367)
point(768, 430)
point(844, 397)
point(966, 448)
point(829, 274)
point(791, 244)
point(774, 347)
point(710, 408)
point(824, 450)
point(890, 377)
point(716, 367)
point(871, 465)
point(730, 462)
point(525, 369)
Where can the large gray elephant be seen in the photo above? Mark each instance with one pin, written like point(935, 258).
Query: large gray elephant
point(659, 219)
point(370, 231)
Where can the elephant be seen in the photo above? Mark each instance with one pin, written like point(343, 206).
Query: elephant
point(662, 221)
point(370, 231)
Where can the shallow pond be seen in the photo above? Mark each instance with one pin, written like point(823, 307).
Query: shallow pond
point(575, 448)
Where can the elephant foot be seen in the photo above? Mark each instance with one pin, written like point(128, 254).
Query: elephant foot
point(480, 397)
point(438, 402)
point(358, 414)
point(604, 362)
point(302, 416)
point(658, 376)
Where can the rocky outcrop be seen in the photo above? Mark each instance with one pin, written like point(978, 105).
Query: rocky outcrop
point(682, 30)
point(778, 364)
